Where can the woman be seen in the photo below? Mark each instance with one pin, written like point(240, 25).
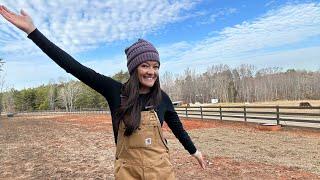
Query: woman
point(138, 107)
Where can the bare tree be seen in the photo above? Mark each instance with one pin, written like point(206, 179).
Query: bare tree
point(2, 82)
point(52, 94)
point(8, 101)
point(243, 84)
point(68, 93)
point(167, 83)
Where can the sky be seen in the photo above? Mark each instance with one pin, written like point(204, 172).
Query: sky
point(188, 34)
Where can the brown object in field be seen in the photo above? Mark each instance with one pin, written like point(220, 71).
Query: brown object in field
point(304, 104)
point(269, 127)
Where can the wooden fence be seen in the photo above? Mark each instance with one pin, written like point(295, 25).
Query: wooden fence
point(274, 114)
point(46, 112)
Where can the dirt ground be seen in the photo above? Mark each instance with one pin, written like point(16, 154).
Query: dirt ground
point(82, 147)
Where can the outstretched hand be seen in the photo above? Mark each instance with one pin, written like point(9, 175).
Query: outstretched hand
point(23, 21)
point(199, 157)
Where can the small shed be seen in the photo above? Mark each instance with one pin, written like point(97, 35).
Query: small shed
point(214, 101)
point(177, 103)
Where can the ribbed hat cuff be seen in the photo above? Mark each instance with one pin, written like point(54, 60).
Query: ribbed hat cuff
point(148, 56)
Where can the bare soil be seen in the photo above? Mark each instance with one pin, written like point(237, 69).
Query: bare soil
point(82, 147)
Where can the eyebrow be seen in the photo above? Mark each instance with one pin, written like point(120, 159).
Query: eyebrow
point(153, 63)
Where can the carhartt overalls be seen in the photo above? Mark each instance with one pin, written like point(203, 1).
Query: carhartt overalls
point(144, 154)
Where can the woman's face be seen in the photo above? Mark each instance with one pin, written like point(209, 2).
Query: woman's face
point(147, 74)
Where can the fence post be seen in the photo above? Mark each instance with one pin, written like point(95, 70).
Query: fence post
point(186, 112)
point(220, 109)
point(201, 112)
point(278, 114)
point(245, 113)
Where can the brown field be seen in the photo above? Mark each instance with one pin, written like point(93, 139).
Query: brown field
point(82, 147)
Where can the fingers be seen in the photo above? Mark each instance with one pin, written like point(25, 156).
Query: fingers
point(6, 13)
point(203, 165)
point(202, 162)
point(199, 157)
point(10, 16)
point(7, 10)
point(1, 8)
point(4, 9)
point(23, 21)
point(24, 13)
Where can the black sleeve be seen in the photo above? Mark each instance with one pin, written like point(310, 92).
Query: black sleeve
point(102, 84)
point(172, 119)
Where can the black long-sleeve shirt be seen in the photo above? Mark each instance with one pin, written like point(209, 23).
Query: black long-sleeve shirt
point(111, 88)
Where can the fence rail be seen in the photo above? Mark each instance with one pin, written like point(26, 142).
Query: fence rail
point(44, 113)
point(285, 115)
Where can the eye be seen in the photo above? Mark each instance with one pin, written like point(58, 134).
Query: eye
point(144, 65)
point(156, 67)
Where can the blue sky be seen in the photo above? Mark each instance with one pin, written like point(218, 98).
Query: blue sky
point(194, 34)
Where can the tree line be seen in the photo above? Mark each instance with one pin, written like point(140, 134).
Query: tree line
point(241, 84)
point(68, 95)
point(244, 83)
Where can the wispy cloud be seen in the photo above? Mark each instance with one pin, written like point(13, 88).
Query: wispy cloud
point(82, 25)
point(271, 2)
point(222, 13)
point(209, 17)
point(279, 28)
point(25, 73)
point(276, 38)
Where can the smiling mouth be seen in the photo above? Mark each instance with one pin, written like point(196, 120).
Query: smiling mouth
point(149, 78)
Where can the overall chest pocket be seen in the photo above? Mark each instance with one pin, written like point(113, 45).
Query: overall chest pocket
point(143, 137)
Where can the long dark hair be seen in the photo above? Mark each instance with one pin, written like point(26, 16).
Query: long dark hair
point(131, 106)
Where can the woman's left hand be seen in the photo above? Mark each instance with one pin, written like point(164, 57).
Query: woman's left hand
point(199, 157)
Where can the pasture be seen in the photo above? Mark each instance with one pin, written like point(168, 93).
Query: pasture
point(82, 146)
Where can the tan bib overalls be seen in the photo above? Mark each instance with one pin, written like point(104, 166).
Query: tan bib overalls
point(143, 155)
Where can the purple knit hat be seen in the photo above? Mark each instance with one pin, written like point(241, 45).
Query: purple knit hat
point(139, 52)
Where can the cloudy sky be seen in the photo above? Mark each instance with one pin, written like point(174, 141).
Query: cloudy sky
point(195, 34)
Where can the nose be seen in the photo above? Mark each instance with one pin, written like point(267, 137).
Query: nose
point(151, 71)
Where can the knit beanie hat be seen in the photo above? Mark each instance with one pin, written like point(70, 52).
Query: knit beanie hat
point(139, 52)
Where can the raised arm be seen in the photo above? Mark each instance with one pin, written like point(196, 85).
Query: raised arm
point(174, 123)
point(93, 79)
